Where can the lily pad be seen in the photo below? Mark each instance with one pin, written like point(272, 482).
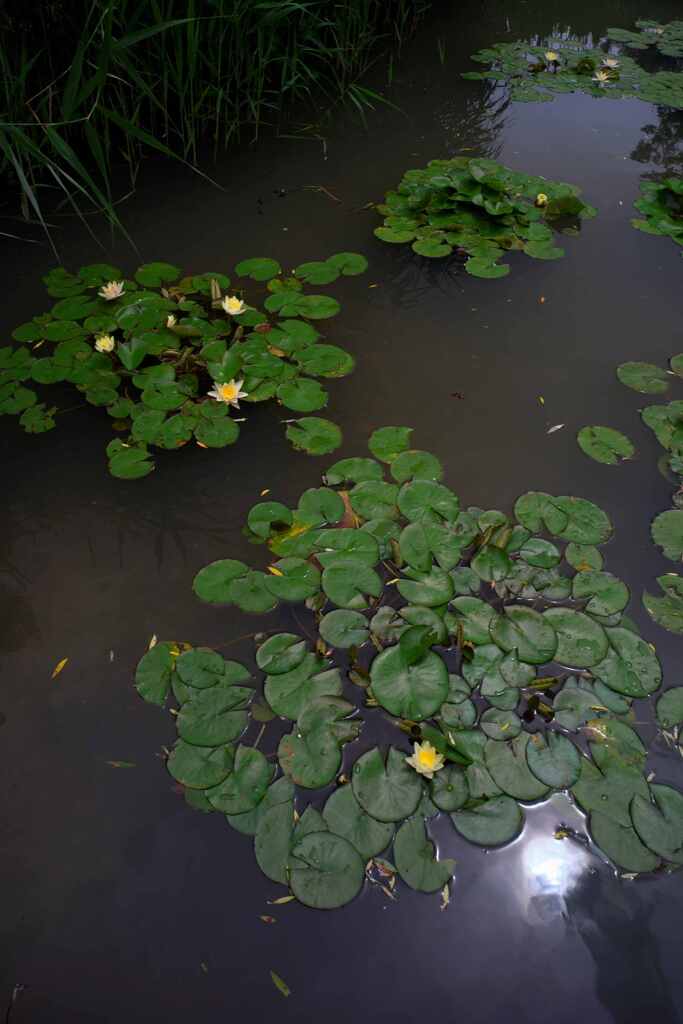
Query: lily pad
point(414, 691)
point(526, 631)
point(493, 823)
point(621, 844)
point(326, 871)
point(605, 445)
point(553, 759)
point(345, 817)
point(387, 790)
point(314, 436)
point(659, 823)
point(667, 533)
point(200, 767)
point(670, 708)
point(245, 786)
point(581, 642)
point(646, 378)
point(344, 628)
point(416, 863)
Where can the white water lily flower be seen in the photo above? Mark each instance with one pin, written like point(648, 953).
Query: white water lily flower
point(601, 76)
point(230, 392)
point(105, 343)
point(111, 290)
point(232, 305)
point(425, 759)
point(610, 62)
point(171, 320)
point(541, 199)
point(551, 56)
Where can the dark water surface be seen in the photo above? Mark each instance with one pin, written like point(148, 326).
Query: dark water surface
point(115, 892)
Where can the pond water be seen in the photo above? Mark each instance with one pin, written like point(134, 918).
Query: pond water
point(116, 892)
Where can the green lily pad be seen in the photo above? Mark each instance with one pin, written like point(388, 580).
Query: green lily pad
point(631, 667)
point(553, 759)
point(526, 631)
point(606, 593)
point(273, 841)
point(152, 275)
point(659, 823)
point(314, 436)
point(416, 862)
point(667, 611)
point(581, 642)
point(667, 533)
point(289, 692)
point(346, 818)
point(448, 789)
point(507, 763)
point(343, 628)
point(353, 471)
point(326, 871)
point(213, 583)
point(493, 823)
point(605, 445)
point(347, 583)
point(153, 674)
point(643, 377)
point(621, 844)
point(387, 791)
point(414, 691)
point(200, 767)
point(245, 786)
point(388, 442)
point(248, 822)
point(281, 653)
point(214, 716)
point(258, 268)
point(670, 708)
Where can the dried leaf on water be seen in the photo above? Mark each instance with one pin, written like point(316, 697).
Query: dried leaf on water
point(59, 667)
point(280, 985)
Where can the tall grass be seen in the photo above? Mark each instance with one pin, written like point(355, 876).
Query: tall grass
point(87, 84)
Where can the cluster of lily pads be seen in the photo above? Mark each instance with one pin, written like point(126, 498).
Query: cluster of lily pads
point(667, 39)
point(170, 357)
point(662, 204)
point(496, 645)
point(538, 73)
point(480, 208)
point(609, 446)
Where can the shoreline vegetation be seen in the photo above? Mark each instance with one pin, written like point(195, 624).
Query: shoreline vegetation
point(91, 84)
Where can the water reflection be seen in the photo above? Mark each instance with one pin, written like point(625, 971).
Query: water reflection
point(661, 144)
point(475, 122)
point(551, 870)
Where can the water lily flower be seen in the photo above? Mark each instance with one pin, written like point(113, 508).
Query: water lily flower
point(425, 759)
point(610, 62)
point(105, 343)
point(232, 305)
point(171, 320)
point(601, 76)
point(230, 392)
point(541, 199)
point(551, 56)
point(111, 290)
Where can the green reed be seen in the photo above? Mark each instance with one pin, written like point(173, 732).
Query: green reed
point(89, 84)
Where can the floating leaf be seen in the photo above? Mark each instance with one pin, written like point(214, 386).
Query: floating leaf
point(643, 377)
point(553, 759)
point(280, 985)
point(326, 871)
point(667, 533)
point(507, 763)
point(345, 817)
point(314, 436)
point(414, 691)
point(659, 823)
point(605, 445)
point(388, 442)
point(415, 858)
point(496, 821)
point(387, 791)
point(670, 708)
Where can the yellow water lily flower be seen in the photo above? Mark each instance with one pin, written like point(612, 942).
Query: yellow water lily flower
point(601, 76)
point(610, 62)
point(232, 305)
point(551, 56)
point(111, 290)
point(171, 320)
point(230, 392)
point(425, 759)
point(105, 343)
point(541, 199)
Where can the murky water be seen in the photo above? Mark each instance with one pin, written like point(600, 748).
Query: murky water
point(115, 891)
